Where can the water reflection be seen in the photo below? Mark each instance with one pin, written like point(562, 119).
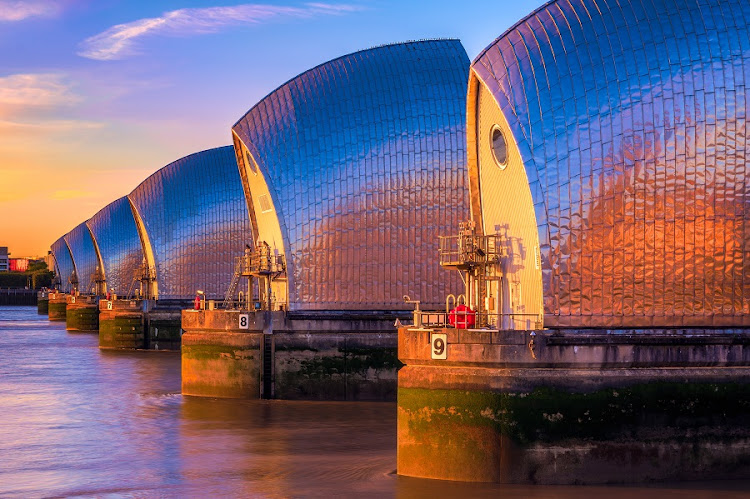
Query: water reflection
point(77, 421)
point(286, 449)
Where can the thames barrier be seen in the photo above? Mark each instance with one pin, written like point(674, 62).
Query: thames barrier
point(541, 255)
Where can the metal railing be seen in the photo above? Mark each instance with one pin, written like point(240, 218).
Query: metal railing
point(260, 265)
point(465, 250)
point(253, 305)
point(461, 320)
point(262, 260)
point(241, 304)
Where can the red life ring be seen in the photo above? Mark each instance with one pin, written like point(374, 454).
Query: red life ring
point(462, 317)
point(197, 302)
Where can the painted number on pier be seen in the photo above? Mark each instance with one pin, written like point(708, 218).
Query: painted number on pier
point(109, 305)
point(244, 321)
point(439, 342)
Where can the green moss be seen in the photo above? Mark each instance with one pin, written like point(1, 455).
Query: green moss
point(293, 348)
point(550, 415)
point(57, 311)
point(326, 365)
point(82, 319)
point(121, 332)
point(362, 359)
point(342, 375)
point(209, 352)
point(220, 371)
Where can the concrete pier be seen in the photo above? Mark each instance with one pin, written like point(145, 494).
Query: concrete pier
point(139, 325)
point(218, 358)
point(288, 356)
point(574, 406)
point(42, 302)
point(122, 324)
point(82, 313)
point(57, 306)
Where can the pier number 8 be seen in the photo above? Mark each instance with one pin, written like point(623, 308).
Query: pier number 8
point(439, 346)
point(244, 321)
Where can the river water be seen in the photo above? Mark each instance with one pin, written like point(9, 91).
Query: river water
point(79, 422)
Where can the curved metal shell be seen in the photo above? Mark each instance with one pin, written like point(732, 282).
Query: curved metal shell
point(84, 256)
point(354, 167)
point(63, 263)
point(629, 125)
point(116, 237)
point(194, 218)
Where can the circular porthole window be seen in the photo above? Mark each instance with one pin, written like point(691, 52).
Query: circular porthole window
point(499, 147)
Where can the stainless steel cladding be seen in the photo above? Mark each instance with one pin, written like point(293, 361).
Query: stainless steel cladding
point(623, 128)
point(116, 238)
point(353, 168)
point(84, 256)
point(193, 221)
point(63, 264)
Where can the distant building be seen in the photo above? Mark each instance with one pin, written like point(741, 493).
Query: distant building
point(4, 264)
point(18, 264)
point(49, 259)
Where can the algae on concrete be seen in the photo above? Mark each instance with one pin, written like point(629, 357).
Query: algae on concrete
point(230, 370)
point(57, 310)
point(336, 374)
point(82, 319)
point(550, 415)
point(122, 332)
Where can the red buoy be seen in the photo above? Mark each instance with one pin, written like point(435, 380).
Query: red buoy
point(462, 317)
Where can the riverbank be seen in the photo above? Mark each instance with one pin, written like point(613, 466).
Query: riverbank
point(17, 297)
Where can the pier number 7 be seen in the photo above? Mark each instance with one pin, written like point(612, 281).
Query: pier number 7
point(439, 346)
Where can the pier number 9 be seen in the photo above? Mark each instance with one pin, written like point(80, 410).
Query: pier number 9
point(244, 321)
point(439, 346)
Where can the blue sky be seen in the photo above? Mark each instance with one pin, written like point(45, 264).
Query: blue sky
point(97, 94)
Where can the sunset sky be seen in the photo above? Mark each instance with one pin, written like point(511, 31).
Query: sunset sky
point(95, 95)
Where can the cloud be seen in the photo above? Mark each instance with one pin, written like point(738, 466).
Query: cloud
point(35, 90)
point(8, 128)
point(19, 10)
point(118, 41)
point(31, 104)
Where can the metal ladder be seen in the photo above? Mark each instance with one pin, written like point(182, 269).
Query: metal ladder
point(233, 285)
point(267, 359)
